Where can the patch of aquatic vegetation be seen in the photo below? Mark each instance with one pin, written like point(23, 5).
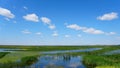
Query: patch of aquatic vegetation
point(24, 62)
point(102, 61)
point(28, 60)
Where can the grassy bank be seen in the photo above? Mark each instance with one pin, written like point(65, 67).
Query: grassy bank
point(22, 63)
point(14, 56)
point(2, 54)
point(102, 61)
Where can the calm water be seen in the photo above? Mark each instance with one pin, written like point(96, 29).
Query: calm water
point(62, 61)
point(65, 61)
point(66, 51)
point(9, 50)
point(4, 50)
point(113, 52)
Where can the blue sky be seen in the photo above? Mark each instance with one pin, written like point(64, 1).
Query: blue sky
point(59, 22)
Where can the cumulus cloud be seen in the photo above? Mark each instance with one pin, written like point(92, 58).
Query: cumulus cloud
point(55, 34)
point(45, 20)
point(52, 26)
point(7, 13)
point(93, 31)
point(31, 17)
point(87, 30)
point(108, 16)
point(74, 26)
point(26, 31)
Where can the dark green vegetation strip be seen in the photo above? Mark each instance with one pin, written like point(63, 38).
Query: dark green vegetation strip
point(25, 61)
point(46, 48)
point(52, 48)
point(2, 54)
point(28, 60)
point(92, 61)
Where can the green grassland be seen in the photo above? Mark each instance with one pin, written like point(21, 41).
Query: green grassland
point(92, 61)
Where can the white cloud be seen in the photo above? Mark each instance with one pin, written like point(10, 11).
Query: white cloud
point(31, 17)
point(45, 20)
point(38, 33)
point(88, 30)
point(52, 26)
point(108, 16)
point(25, 7)
point(93, 31)
point(74, 26)
point(85, 29)
point(55, 34)
point(7, 13)
point(26, 31)
point(67, 36)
